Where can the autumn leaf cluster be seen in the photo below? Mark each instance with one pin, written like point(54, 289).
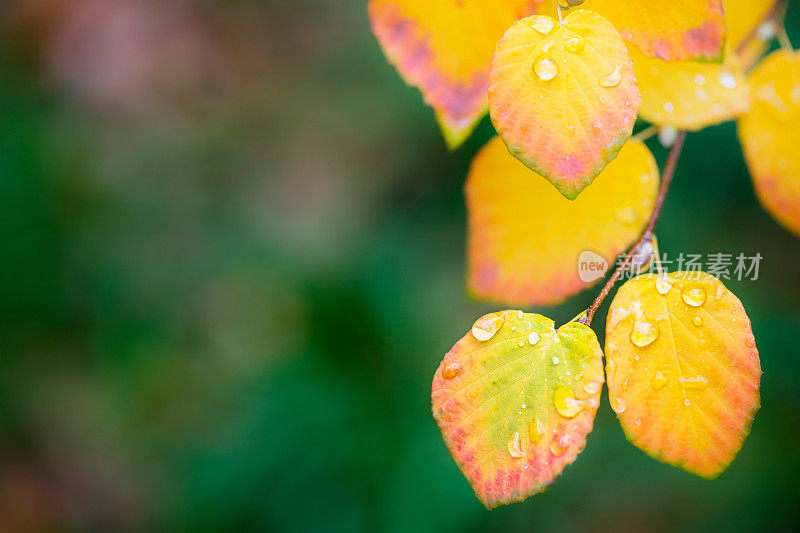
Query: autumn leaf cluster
point(564, 86)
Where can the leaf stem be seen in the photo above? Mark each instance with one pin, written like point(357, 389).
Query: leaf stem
point(647, 234)
point(774, 15)
point(783, 37)
point(646, 133)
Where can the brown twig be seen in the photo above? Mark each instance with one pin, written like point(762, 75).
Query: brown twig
point(774, 15)
point(783, 37)
point(647, 234)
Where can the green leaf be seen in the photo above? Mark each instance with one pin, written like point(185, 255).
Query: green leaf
point(514, 400)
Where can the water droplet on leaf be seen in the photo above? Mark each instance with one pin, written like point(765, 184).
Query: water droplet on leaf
point(536, 431)
point(514, 447)
point(592, 387)
point(644, 333)
point(545, 68)
point(486, 326)
point(451, 370)
point(727, 80)
point(663, 286)
point(697, 321)
point(574, 44)
point(533, 338)
point(618, 404)
point(719, 292)
point(613, 79)
point(543, 25)
point(658, 380)
point(566, 404)
point(694, 296)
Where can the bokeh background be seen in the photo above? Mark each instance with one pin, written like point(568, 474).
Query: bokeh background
point(232, 254)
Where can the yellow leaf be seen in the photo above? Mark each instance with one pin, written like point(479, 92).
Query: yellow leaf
point(515, 399)
point(690, 95)
point(669, 29)
point(525, 239)
point(563, 96)
point(769, 134)
point(444, 48)
point(683, 370)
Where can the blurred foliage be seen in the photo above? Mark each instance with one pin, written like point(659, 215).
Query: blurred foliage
point(232, 257)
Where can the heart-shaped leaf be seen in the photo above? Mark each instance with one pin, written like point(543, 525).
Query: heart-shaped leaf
point(528, 245)
point(563, 96)
point(444, 48)
point(669, 29)
point(683, 369)
point(769, 134)
point(515, 399)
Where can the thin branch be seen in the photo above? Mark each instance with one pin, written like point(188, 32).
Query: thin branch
point(774, 15)
point(646, 133)
point(783, 37)
point(647, 234)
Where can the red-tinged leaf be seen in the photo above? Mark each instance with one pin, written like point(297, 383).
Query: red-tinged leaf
point(515, 399)
point(444, 48)
point(669, 29)
point(683, 369)
point(563, 96)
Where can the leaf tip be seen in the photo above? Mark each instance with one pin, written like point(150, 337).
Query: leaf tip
point(456, 133)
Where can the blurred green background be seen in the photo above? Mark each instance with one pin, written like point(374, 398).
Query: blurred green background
point(232, 254)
